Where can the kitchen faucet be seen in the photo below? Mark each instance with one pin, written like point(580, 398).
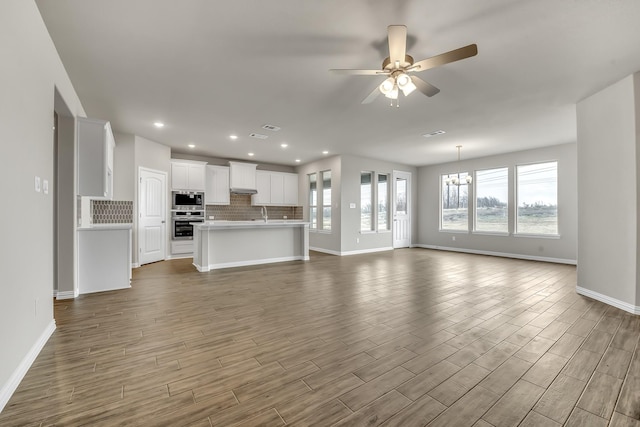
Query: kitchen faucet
point(264, 213)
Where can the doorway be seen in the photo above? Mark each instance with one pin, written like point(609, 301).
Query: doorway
point(63, 188)
point(152, 215)
point(401, 209)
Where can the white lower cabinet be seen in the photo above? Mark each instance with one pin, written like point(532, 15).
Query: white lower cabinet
point(181, 247)
point(104, 258)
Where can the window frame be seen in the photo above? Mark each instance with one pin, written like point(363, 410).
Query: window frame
point(516, 233)
point(312, 206)
point(475, 204)
point(441, 201)
point(377, 203)
point(322, 202)
point(372, 202)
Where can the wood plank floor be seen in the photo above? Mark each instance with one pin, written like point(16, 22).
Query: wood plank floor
point(409, 337)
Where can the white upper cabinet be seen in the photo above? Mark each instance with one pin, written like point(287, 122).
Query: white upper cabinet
point(95, 158)
point(187, 175)
point(217, 185)
point(242, 176)
point(276, 189)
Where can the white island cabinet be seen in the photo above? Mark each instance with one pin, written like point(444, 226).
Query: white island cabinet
point(223, 244)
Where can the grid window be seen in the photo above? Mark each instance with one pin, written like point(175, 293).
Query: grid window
point(326, 199)
point(313, 201)
point(537, 194)
point(492, 200)
point(454, 214)
point(383, 202)
point(366, 201)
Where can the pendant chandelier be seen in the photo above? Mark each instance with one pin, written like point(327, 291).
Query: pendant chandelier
point(455, 180)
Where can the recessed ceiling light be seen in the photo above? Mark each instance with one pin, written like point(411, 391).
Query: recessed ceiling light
point(233, 136)
point(297, 160)
point(251, 154)
point(325, 152)
point(191, 145)
point(158, 124)
point(284, 145)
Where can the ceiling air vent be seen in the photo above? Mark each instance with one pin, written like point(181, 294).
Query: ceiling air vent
point(434, 133)
point(258, 135)
point(271, 128)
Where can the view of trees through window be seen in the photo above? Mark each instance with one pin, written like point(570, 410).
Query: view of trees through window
point(383, 202)
point(313, 201)
point(492, 200)
point(455, 203)
point(366, 201)
point(537, 192)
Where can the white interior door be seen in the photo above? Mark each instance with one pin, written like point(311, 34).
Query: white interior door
point(152, 223)
point(401, 209)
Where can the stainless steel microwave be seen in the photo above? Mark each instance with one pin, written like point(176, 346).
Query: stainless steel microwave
point(187, 200)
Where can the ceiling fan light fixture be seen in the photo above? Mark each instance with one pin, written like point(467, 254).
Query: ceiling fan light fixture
point(387, 86)
point(405, 84)
point(393, 93)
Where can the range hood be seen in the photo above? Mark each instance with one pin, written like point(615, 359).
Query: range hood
point(243, 191)
point(242, 178)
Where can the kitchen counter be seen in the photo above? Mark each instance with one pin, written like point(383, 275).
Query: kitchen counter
point(224, 244)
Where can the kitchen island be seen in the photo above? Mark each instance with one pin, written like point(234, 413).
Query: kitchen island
point(223, 244)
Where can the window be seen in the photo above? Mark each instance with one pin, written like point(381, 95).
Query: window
point(313, 201)
point(366, 201)
point(326, 199)
point(537, 194)
point(383, 202)
point(455, 202)
point(492, 200)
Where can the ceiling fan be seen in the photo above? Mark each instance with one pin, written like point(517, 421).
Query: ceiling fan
point(398, 65)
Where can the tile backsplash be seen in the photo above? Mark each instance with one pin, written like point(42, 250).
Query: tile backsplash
point(240, 209)
point(111, 211)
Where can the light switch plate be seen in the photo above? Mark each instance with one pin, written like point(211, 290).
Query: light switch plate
point(37, 184)
point(352, 205)
point(45, 186)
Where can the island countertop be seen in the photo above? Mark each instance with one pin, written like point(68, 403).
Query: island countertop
point(223, 244)
point(276, 223)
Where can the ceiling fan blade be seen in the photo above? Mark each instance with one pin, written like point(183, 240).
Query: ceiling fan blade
point(424, 87)
point(359, 72)
point(445, 58)
point(372, 96)
point(397, 43)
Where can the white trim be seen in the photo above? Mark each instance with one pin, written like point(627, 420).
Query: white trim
point(135, 265)
point(179, 256)
point(347, 253)
point(366, 251)
point(633, 309)
point(65, 294)
point(14, 381)
point(250, 262)
point(501, 254)
point(325, 251)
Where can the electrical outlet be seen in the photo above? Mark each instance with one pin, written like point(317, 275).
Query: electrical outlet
point(357, 240)
point(352, 205)
point(284, 217)
point(45, 186)
point(211, 217)
point(453, 238)
point(37, 184)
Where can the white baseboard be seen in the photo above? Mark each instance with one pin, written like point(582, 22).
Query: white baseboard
point(247, 263)
point(347, 253)
point(633, 309)
point(324, 251)
point(14, 381)
point(65, 294)
point(135, 265)
point(500, 254)
point(179, 256)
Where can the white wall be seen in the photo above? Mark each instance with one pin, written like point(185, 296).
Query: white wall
point(124, 173)
point(324, 241)
point(30, 71)
point(608, 192)
point(352, 166)
point(561, 249)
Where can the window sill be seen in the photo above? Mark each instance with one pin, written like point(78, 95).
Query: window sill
point(491, 233)
point(367, 232)
point(320, 231)
point(454, 231)
point(537, 236)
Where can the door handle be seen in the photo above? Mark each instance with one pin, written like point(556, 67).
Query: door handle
point(164, 222)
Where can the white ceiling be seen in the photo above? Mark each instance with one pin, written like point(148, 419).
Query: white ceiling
point(208, 69)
